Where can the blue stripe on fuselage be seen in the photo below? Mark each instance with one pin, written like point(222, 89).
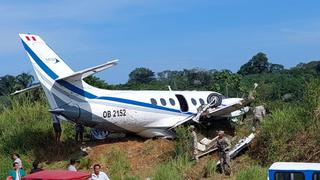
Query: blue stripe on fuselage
point(89, 95)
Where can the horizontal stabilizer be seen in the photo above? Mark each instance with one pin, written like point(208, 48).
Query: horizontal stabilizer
point(89, 71)
point(34, 86)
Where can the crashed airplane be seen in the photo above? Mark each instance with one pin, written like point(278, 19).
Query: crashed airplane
point(145, 113)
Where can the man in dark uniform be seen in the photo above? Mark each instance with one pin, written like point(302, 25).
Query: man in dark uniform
point(57, 129)
point(79, 132)
point(224, 145)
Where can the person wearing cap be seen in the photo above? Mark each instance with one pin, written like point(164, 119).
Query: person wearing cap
point(223, 145)
point(195, 143)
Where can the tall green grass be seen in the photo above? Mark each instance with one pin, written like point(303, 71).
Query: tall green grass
point(26, 128)
point(290, 133)
point(180, 162)
point(252, 173)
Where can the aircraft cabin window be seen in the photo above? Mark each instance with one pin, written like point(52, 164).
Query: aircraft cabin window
point(163, 102)
point(172, 102)
point(194, 102)
point(201, 101)
point(153, 101)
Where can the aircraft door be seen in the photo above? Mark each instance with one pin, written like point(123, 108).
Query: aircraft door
point(183, 103)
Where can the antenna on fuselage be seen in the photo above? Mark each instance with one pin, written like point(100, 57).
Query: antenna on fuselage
point(169, 87)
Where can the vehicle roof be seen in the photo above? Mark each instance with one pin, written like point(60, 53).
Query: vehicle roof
point(294, 166)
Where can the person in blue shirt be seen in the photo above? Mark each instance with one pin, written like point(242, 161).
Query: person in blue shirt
point(16, 173)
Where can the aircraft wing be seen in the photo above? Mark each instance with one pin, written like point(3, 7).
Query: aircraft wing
point(226, 109)
point(34, 86)
point(89, 71)
point(220, 111)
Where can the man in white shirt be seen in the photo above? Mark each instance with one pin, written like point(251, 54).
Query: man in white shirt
point(72, 165)
point(97, 174)
point(17, 159)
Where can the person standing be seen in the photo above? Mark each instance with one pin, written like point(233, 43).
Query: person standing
point(259, 113)
point(195, 143)
point(97, 174)
point(72, 165)
point(57, 129)
point(16, 159)
point(224, 145)
point(16, 173)
point(79, 132)
point(35, 167)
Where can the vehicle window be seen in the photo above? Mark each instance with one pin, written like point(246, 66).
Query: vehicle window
point(163, 101)
point(194, 102)
point(201, 101)
point(172, 102)
point(153, 101)
point(316, 176)
point(289, 176)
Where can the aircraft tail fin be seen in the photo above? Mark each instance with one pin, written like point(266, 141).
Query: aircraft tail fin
point(44, 60)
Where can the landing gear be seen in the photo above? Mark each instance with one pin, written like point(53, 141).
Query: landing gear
point(214, 99)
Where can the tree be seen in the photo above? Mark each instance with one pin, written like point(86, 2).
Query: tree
point(96, 82)
point(257, 64)
point(7, 84)
point(141, 75)
point(24, 80)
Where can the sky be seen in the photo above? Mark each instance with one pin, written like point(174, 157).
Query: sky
point(161, 34)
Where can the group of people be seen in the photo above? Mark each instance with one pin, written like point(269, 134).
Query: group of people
point(17, 171)
point(79, 128)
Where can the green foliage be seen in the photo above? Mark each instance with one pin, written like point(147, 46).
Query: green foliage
point(167, 171)
point(9, 83)
point(291, 132)
point(184, 142)
point(96, 82)
point(119, 165)
point(259, 64)
point(141, 75)
point(252, 172)
point(85, 163)
point(209, 168)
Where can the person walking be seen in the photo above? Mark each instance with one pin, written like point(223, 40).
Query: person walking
point(224, 145)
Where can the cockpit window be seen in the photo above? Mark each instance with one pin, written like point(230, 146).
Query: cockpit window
point(153, 101)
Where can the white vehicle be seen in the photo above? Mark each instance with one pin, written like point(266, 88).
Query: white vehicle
point(146, 113)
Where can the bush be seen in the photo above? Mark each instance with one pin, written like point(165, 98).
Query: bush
point(253, 173)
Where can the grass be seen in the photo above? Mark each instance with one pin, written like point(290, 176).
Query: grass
point(209, 168)
point(252, 173)
point(26, 128)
